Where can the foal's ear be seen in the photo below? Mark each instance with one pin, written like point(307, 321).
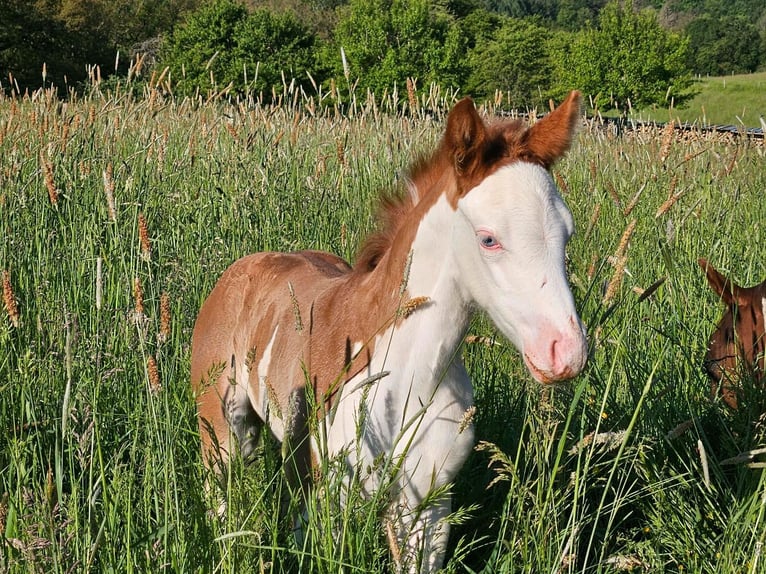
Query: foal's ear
point(550, 138)
point(720, 284)
point(464, 134)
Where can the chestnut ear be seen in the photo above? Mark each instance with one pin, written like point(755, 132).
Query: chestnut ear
point(550, 138)
point(464, 134)
point(722, 286)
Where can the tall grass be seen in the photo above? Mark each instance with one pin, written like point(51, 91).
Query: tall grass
point(118, 214)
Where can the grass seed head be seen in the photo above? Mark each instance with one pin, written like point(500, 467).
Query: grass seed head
point(667, 141)
point(625, 239)
point(9, 299)
point(614, 284)
point(143, 238)
point(50, 184)
point(155, 386)
point(138, 297)
point(412, 305)
point(109, 192)
point(164, 317)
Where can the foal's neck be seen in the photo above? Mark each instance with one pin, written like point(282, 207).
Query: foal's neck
point(436, 321)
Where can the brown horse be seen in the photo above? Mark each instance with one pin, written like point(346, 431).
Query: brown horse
point(736, 347)
point(371, 351)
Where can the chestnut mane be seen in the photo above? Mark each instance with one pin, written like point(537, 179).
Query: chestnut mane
point(503, 143)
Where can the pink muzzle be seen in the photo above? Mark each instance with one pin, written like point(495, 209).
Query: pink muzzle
point(557, 355)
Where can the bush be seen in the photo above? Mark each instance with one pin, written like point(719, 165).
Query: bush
point(388, 41)
point(223, 45)
point(514, 59)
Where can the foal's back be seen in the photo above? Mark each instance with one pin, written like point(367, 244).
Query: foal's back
point(250, 320)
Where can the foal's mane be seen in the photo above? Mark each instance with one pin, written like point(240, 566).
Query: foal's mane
point(499, 146)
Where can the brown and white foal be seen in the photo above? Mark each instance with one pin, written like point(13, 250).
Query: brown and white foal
point(736, 347)
point(374, 347)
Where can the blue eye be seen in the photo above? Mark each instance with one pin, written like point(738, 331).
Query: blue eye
point(488, 241)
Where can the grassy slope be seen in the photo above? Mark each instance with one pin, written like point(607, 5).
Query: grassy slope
point(99, 468)
point(726, 100)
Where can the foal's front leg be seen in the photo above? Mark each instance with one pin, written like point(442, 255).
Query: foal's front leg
point(418, 537)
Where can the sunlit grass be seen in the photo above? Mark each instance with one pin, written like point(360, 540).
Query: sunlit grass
point(721, 100)
point(99, 453)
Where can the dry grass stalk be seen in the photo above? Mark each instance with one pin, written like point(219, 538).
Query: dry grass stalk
point(50, 184)
point(412, 305)
point(340, 152)
point(99, 283)
point(155, 386)
point(10, 300)
point(680, 429)
point(162, 149)
point(613, 194)
point(480, 340)
point(732, 163)
point(273, 399)
point(164, 317)
point(667, 141)
point(592, 266)
point(3, 513)
point(593, 171)
point(296, 308)
point(232, 131)
point(670, 202)
point(143, 238)
point(561, 183)
point(633, 202)
point(296, 129)
point(614, 284)
point(138, 297)
point(411, 97)
point(64, 135)
point(625, 239)
point(109, 192)
point(593, 220)
point(467, 419)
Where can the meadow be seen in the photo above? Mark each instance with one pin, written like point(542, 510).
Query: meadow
point(117, 216)
point(736, 100)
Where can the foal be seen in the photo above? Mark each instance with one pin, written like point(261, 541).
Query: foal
point(737, 345)
point(371, 351)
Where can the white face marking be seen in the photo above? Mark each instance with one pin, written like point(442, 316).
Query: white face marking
point(511, 251)
point(355, 348)
point(763, 309)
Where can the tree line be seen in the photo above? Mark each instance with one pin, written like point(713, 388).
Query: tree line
point(621, 52)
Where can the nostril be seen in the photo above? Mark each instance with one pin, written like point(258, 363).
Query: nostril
point(553, 351)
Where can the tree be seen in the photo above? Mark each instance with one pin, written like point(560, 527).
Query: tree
point(387, 41)
point(514, 59)
point(222, 45)
point(628, 57)
point(725, 45)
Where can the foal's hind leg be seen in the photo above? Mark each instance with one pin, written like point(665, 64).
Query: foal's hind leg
point(227, 421)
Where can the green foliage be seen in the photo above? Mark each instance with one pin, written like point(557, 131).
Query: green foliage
point(223, 46)
point(101, 469)
point(577, 14)
point(513, 59)
point(387, 41)
point(723, 45)
point(627, 58)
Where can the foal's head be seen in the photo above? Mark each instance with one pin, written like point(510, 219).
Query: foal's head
point(511, 232)
point(736, 347)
